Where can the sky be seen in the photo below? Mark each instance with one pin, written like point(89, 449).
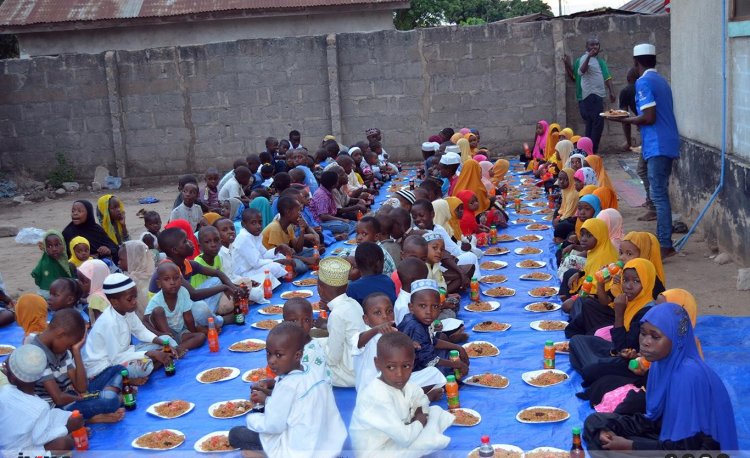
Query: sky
point(574, 6)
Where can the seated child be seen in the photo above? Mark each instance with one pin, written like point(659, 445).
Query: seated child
point(418, 324)
point(250, 257)
point(109, 341)
point(393, 417)
point(30, 427)
point(182, 180)
point(423, 215)
point(7, 305)
point(324, 208)
point(92, 274)
point(152, 222)
point(280, 233)
point(409, 270)
point(469, 224)
point(65, 375)
point(110, 212)
point(369, 259)
point(386, 238)
point(169, 311)
point(210, 194)
point(80, 251)
point(345, 319)
point(299, 311)
point(31, 313)
point(378, 316)
point(210, 244)
point(266, 174)
point(368, 230)
point(66, 293)
point(187, 210)
point(301, 418)
point(444, 269)
point(53, 263)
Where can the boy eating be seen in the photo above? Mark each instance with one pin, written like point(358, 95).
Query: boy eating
point(280, 234)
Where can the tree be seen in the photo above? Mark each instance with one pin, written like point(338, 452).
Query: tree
point(429, 13)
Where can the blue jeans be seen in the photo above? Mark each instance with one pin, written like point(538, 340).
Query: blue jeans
point(338, 227)
point(659, 169)
point(107, 402)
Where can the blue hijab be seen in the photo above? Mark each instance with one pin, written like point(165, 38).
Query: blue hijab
point(682, 391)
point(592, 200)
point(263, 206)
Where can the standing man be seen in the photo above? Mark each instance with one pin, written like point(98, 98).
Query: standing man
point(593, 82)
point(661, 141)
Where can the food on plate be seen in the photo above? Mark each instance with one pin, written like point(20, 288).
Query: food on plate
point(551, 453)
point(543, 291)
point(500, 291)
point(505, 238)
point(562, 347)
point(537, 227)
point(216, 443)
point(496, 251)
point(612, 113)
point(542, 414)
point(160, 440)
point(493, 279)
point(247, 346)
point(304, 294)
point(530, 264)
point(490, 326)
point(306, 282)
point(499, 453)
point(5, 349)
point(548, 378)
point(351, 242)
point(477, 349)
point(260, 372)
point(272, 310)
point(232, 409)
point(172, 409)
point(542, 306)
point(524, 221)
point(539, 204)
point(482, 306)
point(464, 418)
point(266, 324)
point(491, 380)
point(552, 325)
point(216, 374)
point(524, 211)
point(491, 265)
point(528, 250)
point(537, 276)
point(529, 238)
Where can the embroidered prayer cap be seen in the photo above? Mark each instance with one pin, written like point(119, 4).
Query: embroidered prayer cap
point(430, 146)
point(408, 195)
point(27, 363)
point(373, 131)
point(453, 149)
point(117, 283)
point(450, 159)
point(431, 236)
point(419, 285)
point(334, 271)
point(644, 49)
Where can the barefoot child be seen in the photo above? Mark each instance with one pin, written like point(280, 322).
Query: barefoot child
point(299, 311)
point(393, 416)
point(301, 418)
point(53, 263)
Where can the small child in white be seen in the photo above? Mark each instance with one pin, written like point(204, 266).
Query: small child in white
point(393, 417)
point(299, 311)
point(301, 418)
point(249, 256)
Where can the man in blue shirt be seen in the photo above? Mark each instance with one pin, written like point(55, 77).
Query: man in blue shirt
point(661, 141)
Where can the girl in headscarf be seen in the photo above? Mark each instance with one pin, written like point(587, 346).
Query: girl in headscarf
point(473, 143)
point(465, 148)
point(575, 161)
point(687, 301)
point(588, 207)
point(479, 158)
point(232, 209)
point(261, 204)
point(584, 177)
point(111, 214)
point(443, 215)
point(469, 225)
point(687, 405)
point(456, 208)
point(569, 205)
point(53, 264)
point(596, 163)
point(83, 223)
point(613, 218)
point(211, 217)
point(540, 140)
point(137, 262)
point(31, 313)
point(82, 253)
point(586, 145)
point(552, 138)
point(607, 196)
point(185, 226)
point(567, 133)
point(499, 170)
point(486, 167)
point(562, 153)
point(456, 137)
point(92, 274)
point(471, 179)
point(644, 245)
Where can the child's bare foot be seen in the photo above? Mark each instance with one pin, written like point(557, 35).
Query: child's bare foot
point(138, 381)
point(458, 337)
point(435, 394)
point(113, 417)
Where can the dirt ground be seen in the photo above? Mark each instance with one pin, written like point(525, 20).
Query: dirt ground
point(713, 285)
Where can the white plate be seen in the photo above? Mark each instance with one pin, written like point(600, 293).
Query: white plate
point(504, 251)
point(299, 282)
point(471, 411)
point(263, 312)
point(255, 325)
point(235, 372)
point(557, 290)
point(500, 265)
point(466, 345)
point(495, 305)
point(133, 444)
point(547, 450)
point(247, 373)
point(307, 293)
point(528, 308)
point(199, 442)
point(152, 410)
point(547, 218)
point(525, 278)
point(492, 282)
point(7, 347)
point(259, 341)
point(510, 239)
point(535, 325)
point(563, 352)
point(543, 211)
point(529, 228)
point(449, 324)
point(518, 251)
point(539, 266)
point(517, 223)
point(467, 382)
point(518, 415)
point(478, 330)
point(216, 405)
point(505, 447)
point(537, 238)
point(527, 376)
point(499, 297)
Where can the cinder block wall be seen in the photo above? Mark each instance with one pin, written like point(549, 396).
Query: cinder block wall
point(162, 112)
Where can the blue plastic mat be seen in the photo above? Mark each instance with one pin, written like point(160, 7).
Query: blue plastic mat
point(725, 344)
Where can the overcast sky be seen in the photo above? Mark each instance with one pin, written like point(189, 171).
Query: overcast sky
point(574, 6)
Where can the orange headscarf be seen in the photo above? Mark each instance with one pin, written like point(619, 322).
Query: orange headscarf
point(463, 145)
point(688, 302)
point(471, 179)
point(499, 170)
point(596, 163)
point(455, 137)
point(607, 196)
point(649, 248)
point(552, 137)
point(31, 313)
point(588, 189)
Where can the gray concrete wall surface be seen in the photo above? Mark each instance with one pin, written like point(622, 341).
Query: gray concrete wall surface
point(167, 111)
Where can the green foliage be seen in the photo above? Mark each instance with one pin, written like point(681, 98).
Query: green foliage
point(430, 13)
point(62, 172)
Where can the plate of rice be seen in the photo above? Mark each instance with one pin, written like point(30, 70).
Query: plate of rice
point(547, 452)
point(215, 442)
point(542, 307)
point(529, 238)
point(501, 451)
point(544, 378)
point(490, 326)
point(530, 264)
point(490, 279)
point(496, 251)
point(165, 439)
point(266, 325)
point(481, 349)
point(543, 291)
point(493, 265)
point(500, 291)
point(6, 349)
point(299, 294)
point(217, 374)
point(248, 346)
point(536, 276)
point(482, 306)
point(170, 409)
point(271, 310)
point(247, 377)
point(465, 417)
point(528, 250)
point(488, 380)
point(542, 414)
point(230, 409)
point(548, 325)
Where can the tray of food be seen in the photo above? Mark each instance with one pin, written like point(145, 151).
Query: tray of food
point(481, 349)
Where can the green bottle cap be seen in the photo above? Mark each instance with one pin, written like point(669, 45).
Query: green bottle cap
point(549, 343)
point(621, 264)
point(473, 278)
point(589, 278)
point(633, 364)
point(450, 378)
point(453, 353)
point(165, 341)
point(436, 323)
point(124, 372)
point(576, 430)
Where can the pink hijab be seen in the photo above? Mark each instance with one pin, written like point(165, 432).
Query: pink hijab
point(480, 157)
point(585, 144)
point(541, 141)
point(96, 271)
point(613, 218)
point(465, 130)
point(486, 166)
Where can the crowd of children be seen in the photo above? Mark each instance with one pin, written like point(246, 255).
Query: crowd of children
point(414, 259)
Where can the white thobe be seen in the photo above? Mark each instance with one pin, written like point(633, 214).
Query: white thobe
point(401, 306)
point(250, 258)
point(345, 321)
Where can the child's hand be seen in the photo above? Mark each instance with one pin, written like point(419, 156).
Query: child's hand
point(74, 423)
point(386, 328)
point(628, 353)
point(179, 351)
point(420, 417)
point(103, 251)
point(621, 301)
point(161, 357)
point(76, 348)
point(483, 228)
point(573, 280)
point(285, 250)
point(461, 366)
point(463, 355)
point(257, 396)
point(416, 345)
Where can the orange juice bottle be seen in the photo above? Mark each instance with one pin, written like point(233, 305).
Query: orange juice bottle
point(316, 255)
point(80, 435)
point(289, 269)
point(588, 285)
point(213, 337)
point(549, 355)
point(474, 289)
point(267, 288)
point(451, 392)
point(493, 234)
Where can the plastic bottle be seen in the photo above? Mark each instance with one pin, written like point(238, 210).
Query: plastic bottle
point(454, 356)
point(323, 314)
point(518, 205)
point(239, 318)
point(474, 289)
point(359, 215)
point(267, 288)
point(486, 450)
point(213, 337)
point(289, 269)
point(588, 285)
point(399, 166)
point(411, 184)
point(451, 393)
point(615, 267)
point(80, 435)
point(493, 234)
point(169, 369)
point(549, 355)
point(269, 373)
point(639, 363)
point(244, 299)
point(128, 395)
point(316, 255)
point(443, 295)
point(576, 450)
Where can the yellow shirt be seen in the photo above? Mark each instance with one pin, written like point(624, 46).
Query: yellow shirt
point(273, 235)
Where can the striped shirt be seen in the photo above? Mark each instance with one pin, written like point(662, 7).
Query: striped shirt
point(57, 370)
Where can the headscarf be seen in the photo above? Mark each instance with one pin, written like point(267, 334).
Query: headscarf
point(140, 269)
point(212, 217)
point(486, 166)
point(49, 269)
point(649, 248)
point(563, 149)
point(593, 201)
point(588, 189)
point(96, 271)
point(31, 313)
point(500, 169)
point(480, 158)
point(585, 144)
point(683, 392)
point(540, 142)
point(569, 204)
point(465, 148)
point(468, 138)
point(586, 175)
point(185, 226)
point(647, 277)
point(456, 137)
point(91, 231)
point(607, 196)
point(114, 229)
point(687, 301)
point(76, 241)
point(455, 222)
point(596, 163)
point(613, 218)
point(567, 133)
point(603, 254)
point(436, 139)
point(464, 130)
point(570, 162)
point(443, 215)
point(469, 223)
point(264, 207)
point(552, 138)
point(471, 179)
point(234, 208)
